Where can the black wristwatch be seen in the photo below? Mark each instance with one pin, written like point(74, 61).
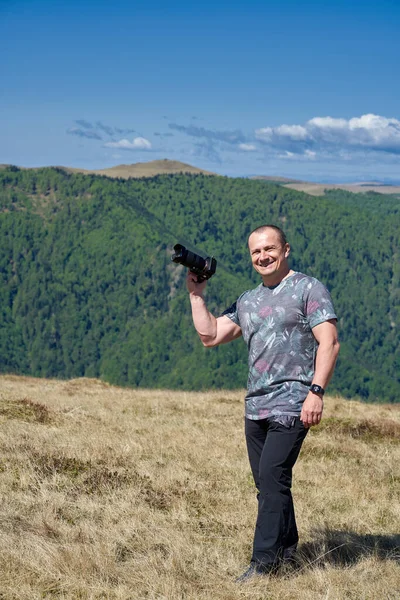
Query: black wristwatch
point(317, 389)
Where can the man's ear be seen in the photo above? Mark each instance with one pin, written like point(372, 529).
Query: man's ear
point(287, 250)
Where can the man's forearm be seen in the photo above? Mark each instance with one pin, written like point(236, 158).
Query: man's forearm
point(205, 323)
point(325, 362)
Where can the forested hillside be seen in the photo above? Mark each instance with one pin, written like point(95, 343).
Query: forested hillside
point(88, 287)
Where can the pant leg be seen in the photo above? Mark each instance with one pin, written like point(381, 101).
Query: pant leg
point(256, 434)
point(273, 449)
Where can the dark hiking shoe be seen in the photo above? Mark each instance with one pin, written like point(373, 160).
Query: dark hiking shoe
point(290, 558)
point(255, 570)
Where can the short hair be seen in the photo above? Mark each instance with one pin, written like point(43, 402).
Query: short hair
point(282, 236)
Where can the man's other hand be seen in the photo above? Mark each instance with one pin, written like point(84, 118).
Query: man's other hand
point(311, 412)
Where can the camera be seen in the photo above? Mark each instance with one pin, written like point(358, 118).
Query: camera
point(204, 268)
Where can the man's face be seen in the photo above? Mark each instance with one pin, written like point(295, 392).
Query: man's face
point(269, 256)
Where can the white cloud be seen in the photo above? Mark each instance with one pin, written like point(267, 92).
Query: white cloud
point(307, 155)
point(310, 154)
point(286, 154)
point(247, 147)
point(327, 123)
point(294, 132)
point(367, 132)
point(138, 143)
point(264, 134)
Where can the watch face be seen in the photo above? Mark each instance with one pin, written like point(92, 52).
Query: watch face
point(317, 389)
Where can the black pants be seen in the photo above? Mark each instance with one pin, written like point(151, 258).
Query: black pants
point(273, 449)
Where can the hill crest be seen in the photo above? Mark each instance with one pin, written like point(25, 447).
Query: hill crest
point(144, 169)
point(138, 170)
point(166, 166)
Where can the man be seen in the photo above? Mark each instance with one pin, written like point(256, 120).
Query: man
point(289, 325)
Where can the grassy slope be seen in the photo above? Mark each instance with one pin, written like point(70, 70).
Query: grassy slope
point(319, 189)
point(124, 494)
point(150, 169)
point(137, 170)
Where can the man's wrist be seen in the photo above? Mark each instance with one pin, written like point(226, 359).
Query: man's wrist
point(317, 389)
point(196, 297)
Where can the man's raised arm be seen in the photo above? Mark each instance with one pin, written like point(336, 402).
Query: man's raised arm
point(212, 331)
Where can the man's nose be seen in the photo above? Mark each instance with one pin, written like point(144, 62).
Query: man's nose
point(263, 255)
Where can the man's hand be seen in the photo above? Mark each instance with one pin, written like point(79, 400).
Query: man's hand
point(311, 412)
point(193, 286)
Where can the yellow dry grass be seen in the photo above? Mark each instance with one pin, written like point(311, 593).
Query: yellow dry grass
point(111, 493)
point(319, 189)
point(145, 169)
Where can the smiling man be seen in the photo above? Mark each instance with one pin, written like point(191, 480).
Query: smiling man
point(289, 325)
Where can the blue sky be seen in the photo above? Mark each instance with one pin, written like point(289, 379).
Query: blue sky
point(301, 89)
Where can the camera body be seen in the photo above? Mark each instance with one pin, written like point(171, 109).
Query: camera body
point(204, 268)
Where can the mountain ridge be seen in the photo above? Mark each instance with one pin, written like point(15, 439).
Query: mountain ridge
point(134, 170)
point(169, 167)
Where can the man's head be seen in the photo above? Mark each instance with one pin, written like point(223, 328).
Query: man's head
point(269, 252)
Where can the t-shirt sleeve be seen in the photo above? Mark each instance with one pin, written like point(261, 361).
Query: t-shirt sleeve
point(232, 313)
point(318, 305)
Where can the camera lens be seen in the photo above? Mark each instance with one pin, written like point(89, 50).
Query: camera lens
point(188, 259)
point(179, 254)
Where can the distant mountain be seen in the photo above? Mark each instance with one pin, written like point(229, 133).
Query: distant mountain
point(319, 189)
point(274, 179)
point(166, 167)
point(147, 169)
point(134, 170)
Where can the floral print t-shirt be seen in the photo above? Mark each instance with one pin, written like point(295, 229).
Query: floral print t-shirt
point(276, 324)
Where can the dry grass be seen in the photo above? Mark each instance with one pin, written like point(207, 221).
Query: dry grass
point(318, 189)
point(109, 493)
point(151, 168)
point(146, 169)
